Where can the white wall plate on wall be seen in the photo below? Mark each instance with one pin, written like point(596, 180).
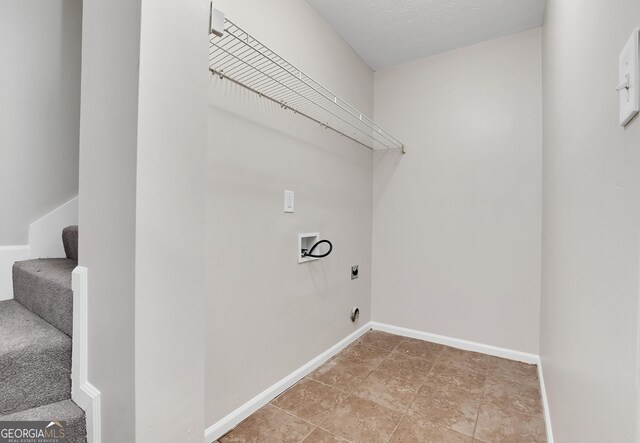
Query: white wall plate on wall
point(629, 80)
point(216, 21)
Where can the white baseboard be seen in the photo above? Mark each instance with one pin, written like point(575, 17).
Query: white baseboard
point(45, 234)
point(545, 403)
point(8, 256)
point(223, 426)
point(82, 391)
point(458, 343)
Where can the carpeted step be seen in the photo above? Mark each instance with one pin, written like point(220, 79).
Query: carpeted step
point(43, 286)
point(75, 428)
point(35, 360)
point(70, 242)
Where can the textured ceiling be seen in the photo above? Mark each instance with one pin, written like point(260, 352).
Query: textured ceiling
point(388, 32)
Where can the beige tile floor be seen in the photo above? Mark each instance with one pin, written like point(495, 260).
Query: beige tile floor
point(386, 388)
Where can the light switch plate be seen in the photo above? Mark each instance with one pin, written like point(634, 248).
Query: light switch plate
point(629, 81)
point(288, 201)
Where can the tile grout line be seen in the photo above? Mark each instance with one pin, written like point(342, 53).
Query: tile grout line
point(418, 390)
point(334, 434)
point(310, 432)
point(379, 347)
point(379, 364)
point(299, 418)
point(324, 384)
point(389, 353)
point(312, 424)
point(444, 347)
point(396, 428)
point(484, 389)
point(385, 359)
point(310, 376)
point(437, 360)
point(368, 375)
point(428, 373)
point(320, 426)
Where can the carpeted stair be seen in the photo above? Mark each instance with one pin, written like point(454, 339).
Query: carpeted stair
point(44, 287)
point(35, 342)
point(33, 354)
point(70, 242)
point(75, 425)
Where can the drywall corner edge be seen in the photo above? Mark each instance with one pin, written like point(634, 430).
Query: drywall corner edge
point(83, 392)
point(227, 423)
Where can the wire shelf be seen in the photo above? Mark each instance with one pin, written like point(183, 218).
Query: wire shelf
point(242, 59)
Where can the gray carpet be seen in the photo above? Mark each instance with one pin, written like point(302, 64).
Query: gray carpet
point(70, 242)
point(35, 360)
point(35, 343)
point(44, 287)
point(67, 411)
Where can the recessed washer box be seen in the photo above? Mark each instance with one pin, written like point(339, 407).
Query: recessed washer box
point(305, 242)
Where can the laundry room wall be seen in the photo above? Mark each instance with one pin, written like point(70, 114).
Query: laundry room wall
point(591, 226)
point(267, 315)
point(456, 242)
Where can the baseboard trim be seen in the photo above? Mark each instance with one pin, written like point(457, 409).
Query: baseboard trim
point(8, 256)
point(83, 392)
point(458, 343)
point(545, 403)
point(223, 426)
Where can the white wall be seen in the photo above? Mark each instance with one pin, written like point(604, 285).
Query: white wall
point(107, 206)
point(45, 234)
point(456, 244)
point(591, 225)
point(142, 143)
point(8, 256)
point(267, 315)
point(170, 216)
point(40, 51)
point(45, 240)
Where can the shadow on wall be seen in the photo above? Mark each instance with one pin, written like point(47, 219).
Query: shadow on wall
point(385, 164)
point(231, 98)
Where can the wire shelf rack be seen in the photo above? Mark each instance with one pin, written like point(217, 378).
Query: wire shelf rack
point(242, 59)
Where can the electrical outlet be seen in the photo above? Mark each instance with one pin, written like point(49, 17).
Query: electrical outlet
point(354, 272)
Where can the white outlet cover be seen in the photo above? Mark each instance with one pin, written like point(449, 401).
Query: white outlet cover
point(288, 201)
point(630, 95)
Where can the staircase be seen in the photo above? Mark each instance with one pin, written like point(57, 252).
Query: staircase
point(35, 343)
